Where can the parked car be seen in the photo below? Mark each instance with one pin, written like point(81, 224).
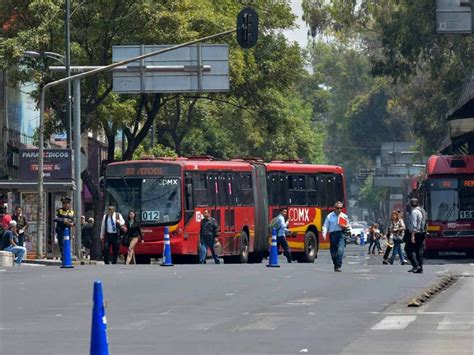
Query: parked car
point(358, 231)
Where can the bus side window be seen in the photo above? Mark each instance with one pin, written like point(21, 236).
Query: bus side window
point(247, 192)
point(330, 189)
point(188, 199)
point(296, 190)
point(321, 188)
point(273, 189)
point(339, 187)
point(237, 190)
point(312, 192)
point(213, 188)
point(283, 189)
point(200, 189)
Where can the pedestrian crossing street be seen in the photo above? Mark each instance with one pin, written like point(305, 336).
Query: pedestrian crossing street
point(443, 321)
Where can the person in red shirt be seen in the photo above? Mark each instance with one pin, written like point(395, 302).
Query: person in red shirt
point(5, 218)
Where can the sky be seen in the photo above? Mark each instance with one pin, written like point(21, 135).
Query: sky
point(298, 34)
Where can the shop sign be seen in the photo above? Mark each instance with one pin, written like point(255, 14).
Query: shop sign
point(57, 164)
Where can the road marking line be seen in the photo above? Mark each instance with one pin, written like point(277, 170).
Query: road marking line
point(394, 323)
point(421, 313)
point(456, 323)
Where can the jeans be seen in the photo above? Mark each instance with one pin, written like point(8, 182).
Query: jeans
point(375, 243)
point(397, 249)
point(114, 240)
point(21, 240)
point(336, 242)
point(281, 241)
point(19, 253)
point(60, 236)
point(203, 245)
point(415, 251)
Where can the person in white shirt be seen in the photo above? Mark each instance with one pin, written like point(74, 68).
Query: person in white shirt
point(110, 233)
point(336, 234)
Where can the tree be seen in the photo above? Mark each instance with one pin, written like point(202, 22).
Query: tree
point(398, 38)
point(263, 101)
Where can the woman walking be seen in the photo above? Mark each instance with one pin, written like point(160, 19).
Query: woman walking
point(374, 236)
point(395, 231)
point(133, 233)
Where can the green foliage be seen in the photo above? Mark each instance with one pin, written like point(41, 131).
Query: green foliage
point(398, 39)
point(263, 114)
point(157, 150)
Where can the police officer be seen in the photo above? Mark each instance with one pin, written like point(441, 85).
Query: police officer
point(208, 236)
point(64, 219)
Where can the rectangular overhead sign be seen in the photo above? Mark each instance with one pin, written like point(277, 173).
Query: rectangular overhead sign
point(196, 68)
point(454, 16)
point(57, 164)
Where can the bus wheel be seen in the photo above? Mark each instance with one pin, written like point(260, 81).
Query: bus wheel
point(431, 254)
point(310, 248)
point(243, 256)
point(256, 257)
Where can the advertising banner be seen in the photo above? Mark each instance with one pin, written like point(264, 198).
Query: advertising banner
point(57, 164)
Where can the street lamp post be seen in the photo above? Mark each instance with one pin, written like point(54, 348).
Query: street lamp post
point(77, 152)
point(40, 200)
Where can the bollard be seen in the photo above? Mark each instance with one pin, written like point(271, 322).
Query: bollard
point(99, 344)
point(273, 261)
point(167, 249)
point(67, 261)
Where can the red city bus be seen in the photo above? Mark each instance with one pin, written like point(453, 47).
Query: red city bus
point(174, 193)
point(309, 192)
point(447, 193)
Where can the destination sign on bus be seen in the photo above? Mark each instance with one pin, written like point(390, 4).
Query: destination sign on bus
point(443, 183)
point(141, 170)
point(468, 183)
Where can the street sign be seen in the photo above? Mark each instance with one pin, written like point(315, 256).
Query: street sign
point(454, 16)
point(196, 68)
point(57, 164)
point(247, 28)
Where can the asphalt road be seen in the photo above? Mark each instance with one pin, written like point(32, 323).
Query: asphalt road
point(234, 309)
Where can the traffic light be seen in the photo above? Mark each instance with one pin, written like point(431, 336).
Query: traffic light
point(247, 28)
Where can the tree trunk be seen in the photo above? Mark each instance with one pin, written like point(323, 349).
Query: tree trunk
point(96, 247)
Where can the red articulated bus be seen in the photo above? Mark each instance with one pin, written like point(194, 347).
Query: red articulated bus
point(241, 194)
point(447, 193)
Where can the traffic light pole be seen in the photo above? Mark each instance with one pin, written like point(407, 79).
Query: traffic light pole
point(77, 165)
point(77, 153)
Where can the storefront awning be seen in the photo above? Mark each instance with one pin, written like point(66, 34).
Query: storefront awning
point(23, 185)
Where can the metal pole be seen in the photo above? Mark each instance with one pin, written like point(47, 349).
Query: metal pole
point(39, 246)
point(67, 64)
point(39, 209)
point(77, 164)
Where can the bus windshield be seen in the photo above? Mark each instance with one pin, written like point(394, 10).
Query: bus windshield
point(451, 200)
point(156, 200)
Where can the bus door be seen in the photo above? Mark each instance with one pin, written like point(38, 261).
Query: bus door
point(213, 194)
point(277, 192)
point(227, 204)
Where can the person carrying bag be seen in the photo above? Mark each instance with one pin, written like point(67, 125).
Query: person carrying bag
point(113, 225)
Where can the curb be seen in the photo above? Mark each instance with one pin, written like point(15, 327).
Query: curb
point(46, 262)
point(424, 296)
point(49, 262)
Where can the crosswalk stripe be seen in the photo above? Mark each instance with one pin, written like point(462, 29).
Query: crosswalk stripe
point(394, 322)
